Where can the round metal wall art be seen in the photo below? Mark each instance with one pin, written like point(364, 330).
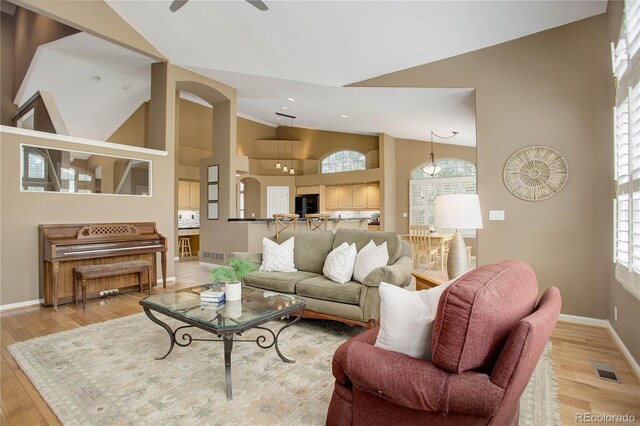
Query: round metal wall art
point(535, 173)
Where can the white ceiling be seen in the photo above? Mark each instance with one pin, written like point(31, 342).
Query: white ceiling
point(301, 49)
point(309, 49)
point(90, 109)
point(338, 42)
point(401, 112)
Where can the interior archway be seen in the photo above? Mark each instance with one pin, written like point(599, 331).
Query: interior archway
point(249, 197)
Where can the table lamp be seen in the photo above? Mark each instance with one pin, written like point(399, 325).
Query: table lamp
point(458, 211)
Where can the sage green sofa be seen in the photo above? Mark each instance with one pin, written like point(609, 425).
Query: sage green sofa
point(353, 303)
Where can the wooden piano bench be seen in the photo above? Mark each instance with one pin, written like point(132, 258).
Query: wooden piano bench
point(83, 273)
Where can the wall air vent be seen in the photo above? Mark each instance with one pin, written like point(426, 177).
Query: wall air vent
point(209, 255)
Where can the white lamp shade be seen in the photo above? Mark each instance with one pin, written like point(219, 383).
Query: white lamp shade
point(458, 211)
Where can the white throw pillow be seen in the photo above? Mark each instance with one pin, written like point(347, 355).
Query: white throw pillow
point(406, 319)
point(277, 257)
point(339, 264)
point(370, 258)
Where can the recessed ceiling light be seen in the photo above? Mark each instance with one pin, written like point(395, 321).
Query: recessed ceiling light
point(284, 107)
point(291, 99)
point(95, 78)
point(127, 87)
point(344, 115)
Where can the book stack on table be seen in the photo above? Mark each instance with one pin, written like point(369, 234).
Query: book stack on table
point(211, 296)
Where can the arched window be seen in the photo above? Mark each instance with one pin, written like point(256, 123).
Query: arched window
point(455, 177)
point(449, 167)
point(343, 161)
point(34, 169)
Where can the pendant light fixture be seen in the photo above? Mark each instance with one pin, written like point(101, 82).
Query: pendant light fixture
point(285, 168)
point(292, 171)
point(278, 165)
point(431, 168)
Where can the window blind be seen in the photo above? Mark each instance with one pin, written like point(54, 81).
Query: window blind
point(626, 67)
point(423, 193)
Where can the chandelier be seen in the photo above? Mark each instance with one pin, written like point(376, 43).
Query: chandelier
point(431, 168)
point(288, 132)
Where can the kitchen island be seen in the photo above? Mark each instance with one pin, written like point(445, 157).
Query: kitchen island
point(258, 228)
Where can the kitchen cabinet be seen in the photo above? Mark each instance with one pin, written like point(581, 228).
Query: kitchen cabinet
point(352, 197)
point(359, 196)
point(332, 197)
point(305, 190)
point(188, 195)
point(345, 197)
point(195, 195)
point(373, 196)
point(184, 195)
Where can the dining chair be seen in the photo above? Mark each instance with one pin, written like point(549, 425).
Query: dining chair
point(423, 247)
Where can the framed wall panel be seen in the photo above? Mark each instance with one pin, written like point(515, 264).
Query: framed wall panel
point(212, 192)
point(212, 173)
point(212, 210)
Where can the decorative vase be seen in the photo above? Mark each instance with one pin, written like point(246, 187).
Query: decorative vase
point(233, 291)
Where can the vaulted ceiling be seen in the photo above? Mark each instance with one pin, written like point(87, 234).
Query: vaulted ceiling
point(309, 50)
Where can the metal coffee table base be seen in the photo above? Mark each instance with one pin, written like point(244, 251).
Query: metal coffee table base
point(182, 338)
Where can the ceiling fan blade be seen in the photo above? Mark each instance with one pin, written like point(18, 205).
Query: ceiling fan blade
point(258, 4)
point(177, 4)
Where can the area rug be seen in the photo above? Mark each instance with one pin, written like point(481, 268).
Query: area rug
point(105, 374)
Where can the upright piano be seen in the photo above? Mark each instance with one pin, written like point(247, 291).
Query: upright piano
point(63, 247)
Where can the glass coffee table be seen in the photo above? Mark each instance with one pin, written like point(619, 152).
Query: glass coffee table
point(225, 320)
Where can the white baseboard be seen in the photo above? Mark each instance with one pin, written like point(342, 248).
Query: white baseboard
point(18, 305)
point(605, 324)
point(625, 351)
point(209, 265)
point(584, 320)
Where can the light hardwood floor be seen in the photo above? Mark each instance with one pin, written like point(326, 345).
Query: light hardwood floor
point(574, 347)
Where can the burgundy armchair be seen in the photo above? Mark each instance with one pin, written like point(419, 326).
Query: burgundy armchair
point(488, 336)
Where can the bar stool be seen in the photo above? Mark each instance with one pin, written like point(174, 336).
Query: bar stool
point(184, 246)
point(317, 221)
point(283, 221)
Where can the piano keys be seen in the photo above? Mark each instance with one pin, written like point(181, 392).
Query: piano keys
point(63, 247)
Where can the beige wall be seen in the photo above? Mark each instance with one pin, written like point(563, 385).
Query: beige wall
point(22, 33)
point(409, 155)
point(552, 88)
point(252, 197)
point(32, 30)
point(249, 131)
point(94, 17)
point(313, 144)
point(134, 130)
point(195, 130)
point(22, 212)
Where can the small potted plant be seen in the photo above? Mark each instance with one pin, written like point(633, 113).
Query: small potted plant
point(232, 277)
